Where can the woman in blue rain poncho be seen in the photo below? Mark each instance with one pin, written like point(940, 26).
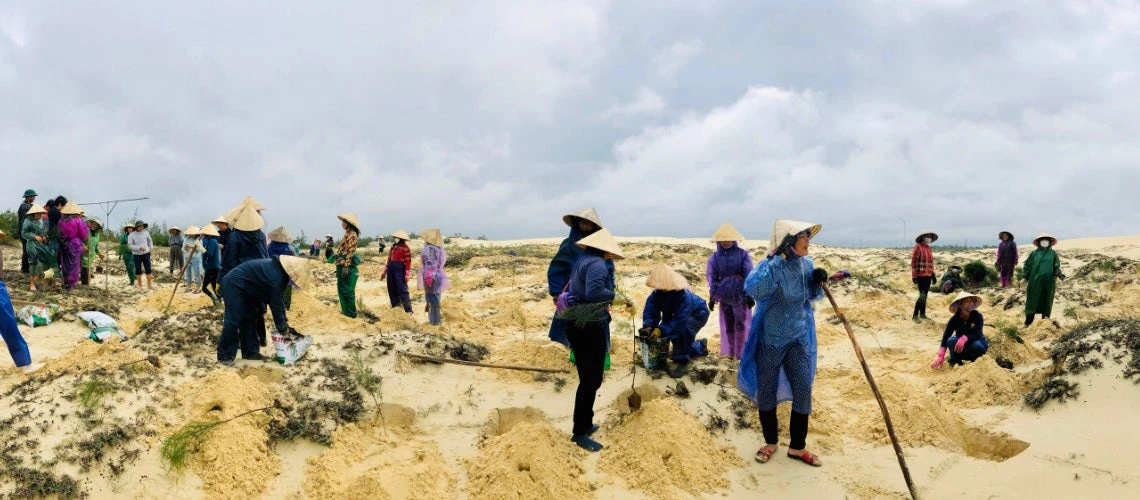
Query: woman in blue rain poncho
point(780, 353)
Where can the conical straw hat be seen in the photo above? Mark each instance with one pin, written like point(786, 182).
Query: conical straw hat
point(98, 223)
point(247, 219)
point(221, 219)
point(252, 202)
point(604, 241)
point(1006, 232)
point(280, 235)
point(173, 229)
point(432, 236)
point(1045, 236)
point(210, 230)
point(128, 225)
point(661, 277)
point(351, 219)
point(785, 227)
point(71, 209)
point(36, 209)
point(297, 269)
point(401, 234)
point(727, 233)
point(962, 296)
point(192, 231)
point(933, 236)
point(586, 213)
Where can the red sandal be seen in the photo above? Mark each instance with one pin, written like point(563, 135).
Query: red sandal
point(808, 458)
point(763, 455)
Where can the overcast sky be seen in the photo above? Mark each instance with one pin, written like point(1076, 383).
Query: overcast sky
point(670, 116)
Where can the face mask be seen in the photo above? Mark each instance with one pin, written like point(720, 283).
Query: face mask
point(1045, 243)
point(926, 241)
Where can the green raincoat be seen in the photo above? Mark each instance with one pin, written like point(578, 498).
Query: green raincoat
point(40, 256)
point(92, 253)
point(128, 258)
point(1041, 272)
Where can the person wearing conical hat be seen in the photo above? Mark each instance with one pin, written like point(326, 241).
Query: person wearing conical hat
point(247, 290)
point(72, 233)
point(582, 224)
point(780, 354)
point(347, 260)
point(125, 253)
point(1007, 258)
point(21, 214)
point(727, 267)
point(35, 236)
point(211, 262)
point(192, 250)
point(589, 294)
point(398, 271)
point(175, 239)
point(963, 338)
point(922, 271)
point(677, 312)
point(280, 244)
point(245, 242)
point(91, 249)
point(432, 279)
point(141, 245)
point(1042, 268)
point(329, 246)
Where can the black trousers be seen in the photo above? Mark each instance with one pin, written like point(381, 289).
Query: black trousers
point(85, 275)
point(589, 345)
point(924, 283)
point(23, 256)
point(210, 280)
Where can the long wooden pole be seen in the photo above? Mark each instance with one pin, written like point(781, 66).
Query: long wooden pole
point(181, 276)
point(484, 365)
point(878, 396)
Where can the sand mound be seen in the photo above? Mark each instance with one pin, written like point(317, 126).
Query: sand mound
point(1009, 349)
point(502, 420)
point(533, 458)
point(311, 317)
point(533, 353)
point(367, 461)
point(977, 385)
point(183, 302)
point(235, 461)
point(1043, 329)
point(648, 392)
point(89, 356)
point(667, 453)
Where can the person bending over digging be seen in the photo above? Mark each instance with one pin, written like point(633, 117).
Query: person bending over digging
point(247, 290)
point(963, 337)
point(780, 353)
point(952, 280)
point(587, 299)
point(676, 311)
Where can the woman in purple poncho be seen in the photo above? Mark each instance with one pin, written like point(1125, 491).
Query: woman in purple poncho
point(1007, 258)
point(72, 233)
point(726, 270)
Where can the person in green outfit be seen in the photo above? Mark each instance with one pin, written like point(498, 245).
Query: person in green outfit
point(1042, 269)
point(91, 244)
point(346, 261)
point(125, 252)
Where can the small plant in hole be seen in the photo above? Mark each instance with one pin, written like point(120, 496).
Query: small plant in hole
point(91, 392)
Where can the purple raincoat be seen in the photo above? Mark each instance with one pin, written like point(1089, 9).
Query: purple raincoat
point(727, 268)
point(72, 233)
point(1007, 258)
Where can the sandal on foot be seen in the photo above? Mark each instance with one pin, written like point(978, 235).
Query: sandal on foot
point(807, 457)
point(763, 455)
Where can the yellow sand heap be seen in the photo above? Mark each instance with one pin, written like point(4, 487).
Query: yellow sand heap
point(977, 385)
point(667, 453)
point(533, 458)
point(312, 317)
point(533, 353)
point(89, 355)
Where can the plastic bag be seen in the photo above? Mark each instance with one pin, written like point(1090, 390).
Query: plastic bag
point(34, 316)
point(290, 346)
point(102, 326)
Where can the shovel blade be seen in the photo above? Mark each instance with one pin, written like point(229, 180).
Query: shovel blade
point(634, 401)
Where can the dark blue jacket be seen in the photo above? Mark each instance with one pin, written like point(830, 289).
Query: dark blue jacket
point(558, 274)
point(590, 281)
point(278, 249)
point(263, 282)
point(675, 312)
point(243, 246)
point(212, 256)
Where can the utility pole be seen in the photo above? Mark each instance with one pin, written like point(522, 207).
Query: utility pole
point(108, 207)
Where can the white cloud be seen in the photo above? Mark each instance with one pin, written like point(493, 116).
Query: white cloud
point(645, 102)
point(668, 62)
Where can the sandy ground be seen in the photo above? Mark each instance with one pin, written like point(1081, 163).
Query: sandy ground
point(449, 431)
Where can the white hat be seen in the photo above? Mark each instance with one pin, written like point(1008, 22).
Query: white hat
point(784, 227)
point(1045, 236)
point(604, 241)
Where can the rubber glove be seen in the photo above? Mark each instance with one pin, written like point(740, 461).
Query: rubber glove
point(961, 344)
point(427, 281)
point(818, 275)
point(839, 275)
point(939, 360)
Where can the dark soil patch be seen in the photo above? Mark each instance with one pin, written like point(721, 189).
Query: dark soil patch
point(1086, 347)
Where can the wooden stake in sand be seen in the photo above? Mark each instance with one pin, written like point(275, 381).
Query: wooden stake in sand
point(483, 365)
point(181, 276)
point(878, 396)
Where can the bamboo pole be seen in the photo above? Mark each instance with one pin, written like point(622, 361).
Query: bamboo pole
point(878, 396)
point(181, 276)
point(483, 365)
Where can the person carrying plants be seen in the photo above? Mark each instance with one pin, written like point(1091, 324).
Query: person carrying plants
point(951, 280)
point(247, 290)
point(1042, 269)
point(91, 252)
point(963, 338)
point(398, 270)
point(922, 271)
point(582, 224)
point(677, 312)
point(780, 354)
point(432, 279)
point(1007, 258)
point(35, 236)
point(21, 215)
point(726, 270)
point(125, 253)
point(346, 261)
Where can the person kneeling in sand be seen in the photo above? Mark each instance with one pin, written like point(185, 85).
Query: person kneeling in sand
point(247, 290)
point(677, 311)
point(963, 337)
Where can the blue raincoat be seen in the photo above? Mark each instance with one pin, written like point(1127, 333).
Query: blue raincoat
point(558, 275)
point(680, 315)
point(783, 292)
